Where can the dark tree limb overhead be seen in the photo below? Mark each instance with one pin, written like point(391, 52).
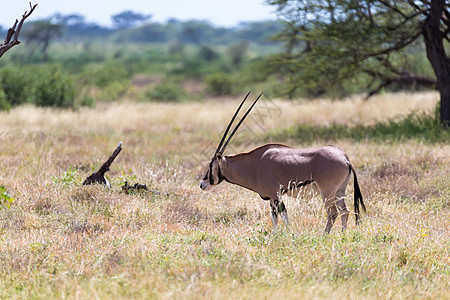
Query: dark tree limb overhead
point(12, 37)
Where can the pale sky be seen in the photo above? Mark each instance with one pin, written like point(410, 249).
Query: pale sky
point(223, 13)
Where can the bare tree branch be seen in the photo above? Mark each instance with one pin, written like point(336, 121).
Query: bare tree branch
point(394, 8)
point(12, 37)
point(402, 44)
point(401, 77)
point(378, 89)
point(417, 7)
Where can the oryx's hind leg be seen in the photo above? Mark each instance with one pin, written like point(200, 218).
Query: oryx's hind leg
point(334, 202)
point(278, 207)
point(340, 203)
point(283, 212)
point(328, 197)
point(332, 214)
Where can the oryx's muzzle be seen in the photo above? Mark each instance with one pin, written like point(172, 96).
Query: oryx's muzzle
point(204, 185)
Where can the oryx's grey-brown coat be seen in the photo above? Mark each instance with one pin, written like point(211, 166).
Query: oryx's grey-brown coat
point(274, 169)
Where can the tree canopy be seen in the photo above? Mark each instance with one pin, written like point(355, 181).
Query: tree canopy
point(331, 42)
point(128, 18)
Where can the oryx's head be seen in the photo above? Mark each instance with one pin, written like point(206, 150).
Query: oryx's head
point(213, 175)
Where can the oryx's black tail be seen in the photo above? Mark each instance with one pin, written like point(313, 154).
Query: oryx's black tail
point(358, 199)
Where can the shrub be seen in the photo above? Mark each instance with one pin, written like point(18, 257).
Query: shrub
point(42, 86)
point(103, 75)
point(87, 101)
point(54, 88)
point(4, 104)
point(16, 85)
point(115, 90)
point(5, 198)
point(219, 84)
point(207, 53)
point(165, 92)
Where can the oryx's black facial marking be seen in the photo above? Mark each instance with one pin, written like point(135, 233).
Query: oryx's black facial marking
point(211, 179)
point(213, 175)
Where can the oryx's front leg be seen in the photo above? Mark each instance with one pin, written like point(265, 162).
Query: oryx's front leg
point(274, 215)
point(278, 207)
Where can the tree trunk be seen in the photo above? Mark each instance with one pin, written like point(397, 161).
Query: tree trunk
point(433, 38)
point(445, 104)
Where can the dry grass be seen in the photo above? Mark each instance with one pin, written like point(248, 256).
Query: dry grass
point(63, 240)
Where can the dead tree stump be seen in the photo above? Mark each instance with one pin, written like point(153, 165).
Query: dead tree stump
point(99, 176)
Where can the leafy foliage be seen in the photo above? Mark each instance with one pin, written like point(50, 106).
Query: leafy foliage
point(69, 177)
point(42, 32)
point(42, 86)
point(128, 18)
point(4, 104)
point(165, 92)
point(102, 75)
point(219, 84)
point(329, 43)
point(5, 198)
point(53, 88)
point(13, 82)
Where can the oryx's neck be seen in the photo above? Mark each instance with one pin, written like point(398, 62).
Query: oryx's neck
point(245, 168)
point(240, 170)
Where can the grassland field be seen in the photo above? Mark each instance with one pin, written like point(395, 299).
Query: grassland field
point(59, 239)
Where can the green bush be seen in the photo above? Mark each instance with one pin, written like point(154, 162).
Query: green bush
point(219, 84)
point(5, 198)
point(165, 92)
point(115, 90)
point(4, 104)
point(87, 101)
point(53, 88)
point(103, 75)
point(41, 85)
point(207, 53)
point(16, 84)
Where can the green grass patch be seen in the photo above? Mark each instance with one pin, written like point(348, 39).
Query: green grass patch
point(424, 127)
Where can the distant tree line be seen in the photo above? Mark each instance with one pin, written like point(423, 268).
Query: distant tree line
point(134, 27)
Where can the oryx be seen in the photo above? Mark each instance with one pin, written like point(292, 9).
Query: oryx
point(272, 170)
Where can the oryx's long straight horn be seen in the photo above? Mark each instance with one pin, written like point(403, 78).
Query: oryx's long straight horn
point(231, 122)
point(239, 124)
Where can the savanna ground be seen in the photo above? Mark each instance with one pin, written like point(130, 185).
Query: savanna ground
point(59, 239)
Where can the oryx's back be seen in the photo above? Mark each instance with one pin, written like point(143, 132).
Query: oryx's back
point(276, 167)
point(311, 163)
